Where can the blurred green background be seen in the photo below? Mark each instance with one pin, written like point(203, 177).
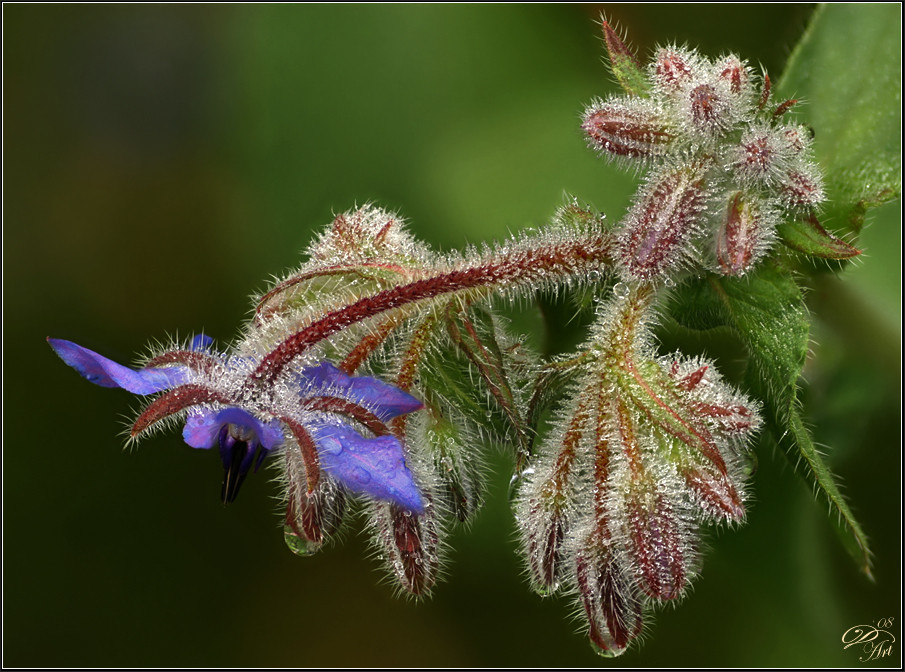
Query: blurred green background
point(161, 162)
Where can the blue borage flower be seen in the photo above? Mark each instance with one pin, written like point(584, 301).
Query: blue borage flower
point(326, 415)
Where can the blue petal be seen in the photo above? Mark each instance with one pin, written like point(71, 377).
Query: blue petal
point(107, 373)
point(382, 399)
point(201, 342)
point(374, 467)
point(202, 428)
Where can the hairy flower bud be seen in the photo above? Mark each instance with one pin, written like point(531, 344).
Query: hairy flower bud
point(626, 130)
point(744, 234)
point(735, 73)
point(673, 68)
point(656, 231)
point(609, 597)
point(313, 518)
point(410, 545)
point(657, 546)
point(802, 187)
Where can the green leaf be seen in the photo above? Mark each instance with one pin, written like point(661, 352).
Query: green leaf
point(850, 532)
point(847, 70)
point(768, 314)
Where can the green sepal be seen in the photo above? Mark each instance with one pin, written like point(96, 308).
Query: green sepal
point(808, 236)
point(625, 66)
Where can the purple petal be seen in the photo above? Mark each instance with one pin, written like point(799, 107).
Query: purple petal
point(202, 428)
point(382, 399)
point(374, 467)
point(107, 373)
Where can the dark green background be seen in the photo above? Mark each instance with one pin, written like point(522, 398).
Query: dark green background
point(162, 162)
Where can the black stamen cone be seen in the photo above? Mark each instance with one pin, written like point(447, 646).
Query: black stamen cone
point(233, 473)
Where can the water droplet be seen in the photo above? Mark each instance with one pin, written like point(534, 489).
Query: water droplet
point(620, 290)
point(594, 276)
point(297, 544)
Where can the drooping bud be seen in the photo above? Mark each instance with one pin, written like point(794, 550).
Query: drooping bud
point(657, 229)
point(656, 543)
point(625, 66)
point(312, 518)
point(609, 597)
point(459, 471)
point(626, 130)
point(410, 544)
point(744, 234)
point(544, 509)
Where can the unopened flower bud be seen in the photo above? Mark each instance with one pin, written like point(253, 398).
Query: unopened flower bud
point(802, 188)
point(410, 544)
point(733, 71)
point(673, 68)
point(716, 496)
point(707, 107)
point(657, 229)
point(743, 235)
point(633, 131)
point(657, 544)
point(544, 536)
point(609, 598)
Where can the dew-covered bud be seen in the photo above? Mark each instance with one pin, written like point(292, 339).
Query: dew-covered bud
point(311, 517)
point(362, 234)
point(707, 107)
point(758, 154)
point(609, 597)
point(735, 73)
point(657, 229)
point(547, 499)
point(657, 547)
point(715, 494)
point(545, 531)
point(626, 130)
point(674, 68)
point(744, 234)
point(410, 545)
point(796, 139)
point(802, 187)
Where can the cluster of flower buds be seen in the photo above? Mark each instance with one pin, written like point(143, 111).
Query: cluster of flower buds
point(377, 371)
point(425, 376)
point(722, 166)
point(644, 451)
